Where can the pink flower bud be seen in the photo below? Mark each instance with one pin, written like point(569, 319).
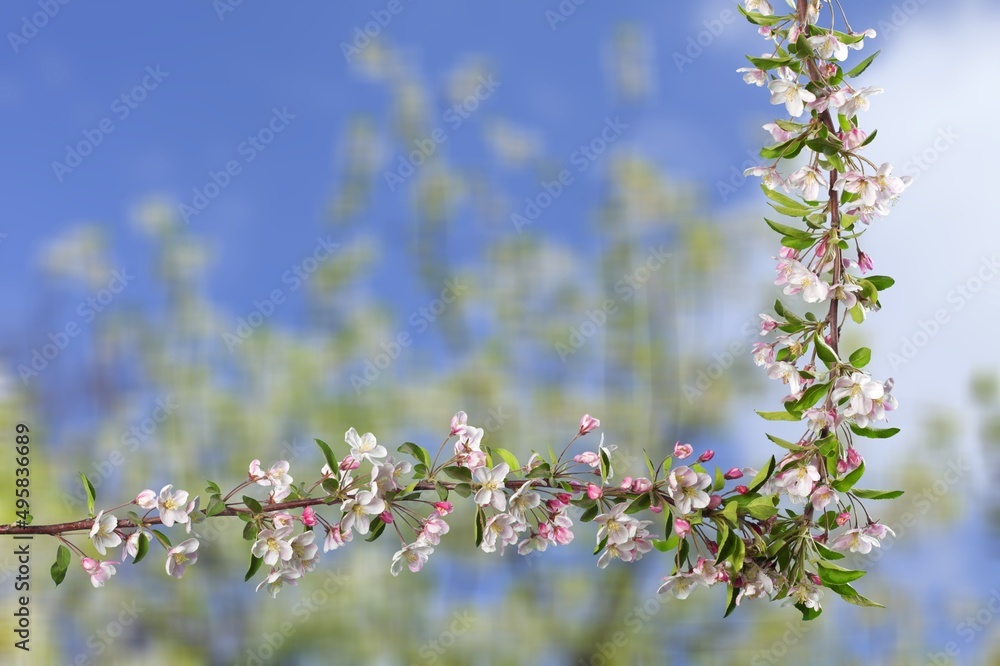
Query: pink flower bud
point(309, 516)
point(626, 483)
point(565, 498)
point(842, 518)
point(742, 490)
point(682, 527)
point(443, 508)
point(588, 423)
point(349, 463)
point(641, 485)
point(594, 491)
point(146, 499)
point(545, 530)
point(788, 253)
point(588, 458)
point(255, 471)
point(734, 473)
point(563, 535)
point(865, 262)
point(854, 458)
point(714, 502)
point(853, 138)
point(712, 547)
point(815, 579)
point(682, 451)
point(656, 509)
point(458, 422)
point(706, 456)
point(386, 517)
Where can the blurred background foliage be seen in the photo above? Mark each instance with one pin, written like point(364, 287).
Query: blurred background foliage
point(667, 361)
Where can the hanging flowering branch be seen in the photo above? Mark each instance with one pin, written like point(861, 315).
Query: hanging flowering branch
point(716, 531)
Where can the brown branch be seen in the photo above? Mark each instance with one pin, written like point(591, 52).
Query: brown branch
point(230, 511)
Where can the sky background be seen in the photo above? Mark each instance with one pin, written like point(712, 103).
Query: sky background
point(227, 71)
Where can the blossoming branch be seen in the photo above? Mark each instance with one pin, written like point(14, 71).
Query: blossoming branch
point(774, 533)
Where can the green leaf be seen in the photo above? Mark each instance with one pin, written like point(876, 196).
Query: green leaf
point(787, 202)
point(459, 473)
point(826, 553)
point(778, 416)
point(858, 314)
point(848, 481)
point(803, 49)
point(727, 546)
point(649, 464)
point(731, 595)
point(825, 351)
point(809, 398)
point(255, 563)
point(142, 548)
point(666, 545)
point(859, 600)
point(760, 19)
point(881, 282)
point(417, 451)
point(162, 538)
point(213, 488)
point(874, 433)
point(480, 526)
point(640, 503)
point(215, 506)
point(877, 494)
point(331, 485)
point(868, 289)
point(541, 471)
point(331, 460)
point(376, 531)
point(91, 493)
point(252, 504)
point(605, 465)
point(442, 491)
point(794, 448)
point(762, 476)
point(808, 613)
point(736, 559)
point(508, 458)
point(790, 232)
point(463, 489)
point(786, 150)
point(61, 565)
point(720, 480)
point(797, 243)
point(769, 63)
point(420, 471)
point(861, 357)
point(590, 514)
point(762, 508)
point(834, 575)
point(858, 69)
point(729, 511)
point(250, 532)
